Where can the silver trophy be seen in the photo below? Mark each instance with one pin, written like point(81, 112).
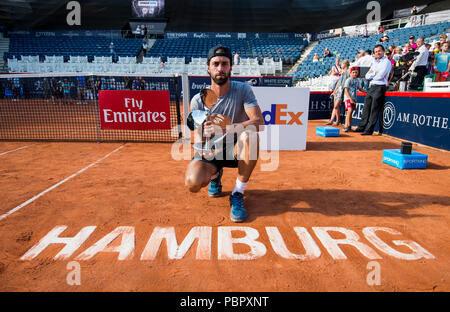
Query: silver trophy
point(207, 146)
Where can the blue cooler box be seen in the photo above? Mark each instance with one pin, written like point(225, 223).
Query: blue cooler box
point(327, 131)
point(414, 160)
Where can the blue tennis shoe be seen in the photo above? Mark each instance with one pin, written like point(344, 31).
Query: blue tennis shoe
point(215, 186)
point(238, 212)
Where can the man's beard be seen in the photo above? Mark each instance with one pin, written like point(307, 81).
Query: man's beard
point(220, 81)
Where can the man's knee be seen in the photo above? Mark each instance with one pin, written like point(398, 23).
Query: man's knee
point(248, 137)
point(248, 144)
point(194, 184)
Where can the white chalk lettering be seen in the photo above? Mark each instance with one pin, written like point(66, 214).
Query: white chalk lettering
point(243, 246)
point(72, 243)
point(226, 241)
point(418, 251)
point(352, 239)
point(312, 251)
point(175, 251)
point(125, 249)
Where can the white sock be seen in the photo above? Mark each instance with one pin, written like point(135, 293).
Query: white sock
point(239, 187)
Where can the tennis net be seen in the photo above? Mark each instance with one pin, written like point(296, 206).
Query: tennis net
point(65, 107)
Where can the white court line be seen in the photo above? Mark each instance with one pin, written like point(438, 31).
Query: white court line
point(56, 185)
point(17, 149)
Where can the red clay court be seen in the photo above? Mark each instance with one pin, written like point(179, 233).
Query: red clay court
point(314, 224)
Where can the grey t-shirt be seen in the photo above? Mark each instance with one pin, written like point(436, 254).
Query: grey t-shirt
point(233, 104)
point(352, 85)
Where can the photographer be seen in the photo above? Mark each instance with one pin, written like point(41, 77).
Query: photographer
point(419, 66)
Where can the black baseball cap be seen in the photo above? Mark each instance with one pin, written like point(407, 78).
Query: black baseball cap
point(220, 50)
point(412, 37)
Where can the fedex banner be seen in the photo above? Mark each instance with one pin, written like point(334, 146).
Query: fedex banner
point(285, 112)
point(134, 110)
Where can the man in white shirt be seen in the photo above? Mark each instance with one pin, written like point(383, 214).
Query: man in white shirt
point(366, 60)
point(365, 32)
point(420, 64)
point(378, 75)
point(364, 63)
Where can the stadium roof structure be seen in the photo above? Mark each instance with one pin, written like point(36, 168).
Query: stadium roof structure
point(203, 15)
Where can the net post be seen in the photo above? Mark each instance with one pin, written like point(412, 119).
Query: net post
point(177, 101)
point(97, 110)
point(186, 99)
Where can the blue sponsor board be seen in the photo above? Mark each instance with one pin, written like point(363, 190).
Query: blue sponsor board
point(276, 81)
point(418, 117)
point(320, 105)
point(112, 34)
point(198, 83)
point(414, 160)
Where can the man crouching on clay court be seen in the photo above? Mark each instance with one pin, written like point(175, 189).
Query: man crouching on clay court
point(235, 103)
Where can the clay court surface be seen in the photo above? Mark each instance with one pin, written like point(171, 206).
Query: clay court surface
point(337, 182)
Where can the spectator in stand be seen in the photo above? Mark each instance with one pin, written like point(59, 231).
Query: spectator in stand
point(139, 84)
point(90, 89)
point(366, 60)
point(60, 92)
point(145, 31)
point(46, 86)
point(414, 10)
point(442, 39)
point(81, 89)
point(359, 55)
point(236, 59)
point(380, 29)
point(437, 48)
point(412, 38)
point(442, 63)
point(327, 53)
point(392, 49)
point(98, 85)
point(397, 54)
point(128, 83)
point(420, 64)
point(112, 49)
point(430, 58)
point(66, 91)
point(316, 57)
point(53, 89)
point(144, 46)
point(407, 48)
point(338, 94)
point(388, 55)
point(384, 38)
point(365, 32)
